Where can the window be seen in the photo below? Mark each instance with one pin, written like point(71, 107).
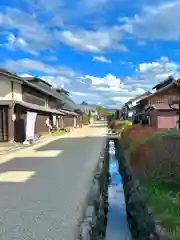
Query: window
point(34, 99)
point(160, 99)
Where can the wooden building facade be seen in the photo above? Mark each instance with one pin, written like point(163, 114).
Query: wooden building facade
point(18, 96)
point(155, 109)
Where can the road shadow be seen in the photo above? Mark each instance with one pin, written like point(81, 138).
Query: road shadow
point(70, 148)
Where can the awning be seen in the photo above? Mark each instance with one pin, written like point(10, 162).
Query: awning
point(32, 106)
point(69, 112)
point(40, 108)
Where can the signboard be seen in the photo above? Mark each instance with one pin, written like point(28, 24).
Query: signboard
point(54, 120)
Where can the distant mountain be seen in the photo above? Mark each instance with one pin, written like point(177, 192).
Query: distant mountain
point(84, 103)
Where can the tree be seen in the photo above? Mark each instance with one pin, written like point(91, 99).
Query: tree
point(89, 114)
point(100, 111)
point(99, 108)
point(108, 113)
point(85, 118)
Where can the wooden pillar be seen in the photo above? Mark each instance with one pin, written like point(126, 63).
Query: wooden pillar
point(179, 115)
point(80, 121)
point(62, 122)
point(75, 121)
point(57, 122)
point(11, 123)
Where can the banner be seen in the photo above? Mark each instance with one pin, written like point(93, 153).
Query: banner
point(54, 120)
point(30, 125)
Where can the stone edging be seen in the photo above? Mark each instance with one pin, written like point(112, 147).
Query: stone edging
point(94, 218)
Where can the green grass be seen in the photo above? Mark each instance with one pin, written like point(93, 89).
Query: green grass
point(58, 133)
point(164, 198)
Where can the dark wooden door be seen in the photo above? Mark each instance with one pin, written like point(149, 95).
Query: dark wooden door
point(3, 123)
point(19, 125)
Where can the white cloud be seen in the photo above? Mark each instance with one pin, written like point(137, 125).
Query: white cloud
point(110, 89)
point(109, 82)
point(156, 22)
point(25, 75)
point(79, 94)
point(31, 34)
point(14, 43)
point(158, 70)
point(101, 59)
point(97, 41)
point(26, 64)
point(28, 24)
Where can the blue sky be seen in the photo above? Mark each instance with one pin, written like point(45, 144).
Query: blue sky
point(105, 51)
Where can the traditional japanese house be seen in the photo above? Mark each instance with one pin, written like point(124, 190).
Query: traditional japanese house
point(156, 109)
point(19, 96)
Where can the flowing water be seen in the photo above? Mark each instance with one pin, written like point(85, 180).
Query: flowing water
point(117, 226)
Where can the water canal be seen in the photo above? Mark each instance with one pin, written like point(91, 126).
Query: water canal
point(117, 226)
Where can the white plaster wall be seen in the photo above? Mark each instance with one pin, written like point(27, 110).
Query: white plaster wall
point(17, 91)
point(130, 113)
point(130, 105)
point(6, 91)
point(5, 88)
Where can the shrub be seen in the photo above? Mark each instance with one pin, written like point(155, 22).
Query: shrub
point(132, 135)
point(157, 156)
point(119, 125)
point(154, 157)
point(129, 129)
point(111, 124)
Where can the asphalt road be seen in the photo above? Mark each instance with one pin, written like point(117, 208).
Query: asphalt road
point(42, 190)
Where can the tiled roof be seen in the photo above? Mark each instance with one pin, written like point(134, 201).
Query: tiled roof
point(69, 112)
point(141, 96)
point(7, 73)
point(164, 83)
point(176, 83)
point(46, 88)
point(37, 79)
point(61, 90)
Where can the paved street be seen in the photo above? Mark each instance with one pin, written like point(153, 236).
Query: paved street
point(42, 190)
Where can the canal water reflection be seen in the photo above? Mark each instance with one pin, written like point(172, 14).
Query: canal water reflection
point(117, 226)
